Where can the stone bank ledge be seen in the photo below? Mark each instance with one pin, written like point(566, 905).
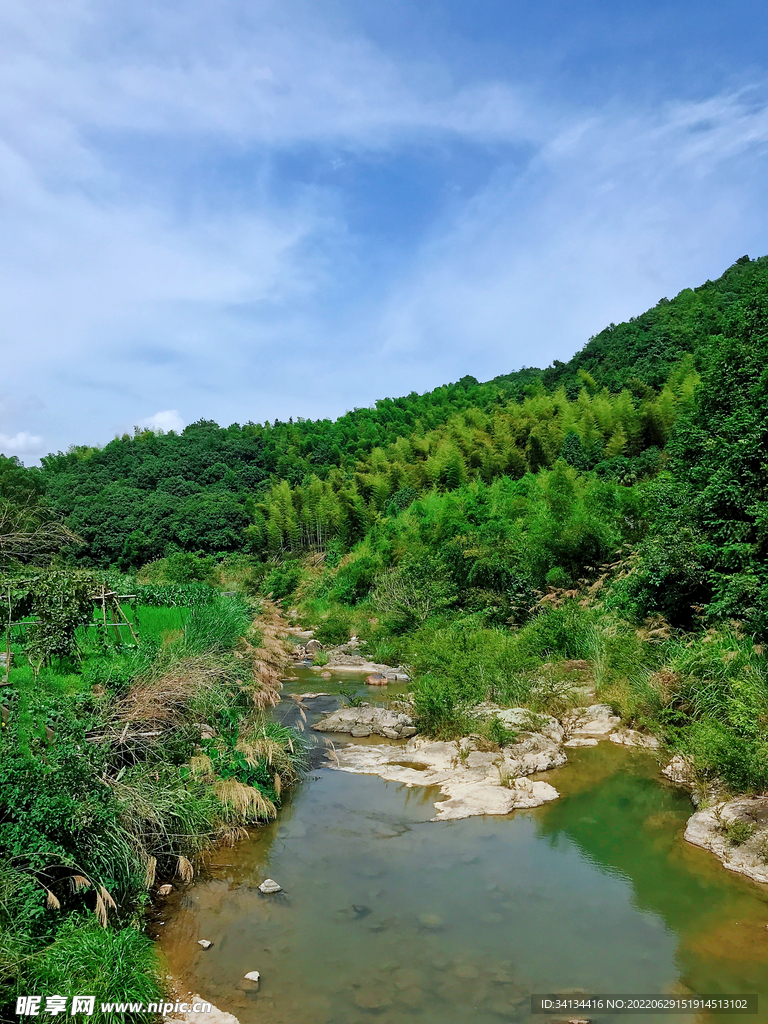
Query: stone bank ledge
point(471, 781)
point(708, 829)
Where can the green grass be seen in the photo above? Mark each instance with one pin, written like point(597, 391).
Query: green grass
point(85, 959)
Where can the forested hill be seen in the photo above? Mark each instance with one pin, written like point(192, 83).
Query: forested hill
point(274, 487)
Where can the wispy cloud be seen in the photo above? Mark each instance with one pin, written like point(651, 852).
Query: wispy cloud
point(616, 210)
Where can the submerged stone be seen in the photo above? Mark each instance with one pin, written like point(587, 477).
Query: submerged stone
point(372, 999)
point(432, 922)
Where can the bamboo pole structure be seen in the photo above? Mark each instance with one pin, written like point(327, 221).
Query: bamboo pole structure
point(8, 643)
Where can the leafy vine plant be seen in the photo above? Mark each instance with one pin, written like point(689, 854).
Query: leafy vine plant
point(58, 602)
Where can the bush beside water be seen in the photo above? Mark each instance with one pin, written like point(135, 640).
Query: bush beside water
point(80, 856)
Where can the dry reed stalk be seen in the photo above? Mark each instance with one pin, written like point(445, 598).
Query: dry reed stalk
point(151, 871)
point(165, 701)
point(201, 765)
point(184, 869)
point(232, 836)
point(51, 900)
point(247, 801)
point(107, 897)
point(101, 911)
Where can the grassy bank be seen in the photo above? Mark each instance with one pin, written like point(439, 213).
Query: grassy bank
point(119, 770)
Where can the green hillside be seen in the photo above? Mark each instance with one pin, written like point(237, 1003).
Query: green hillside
point(212, 490)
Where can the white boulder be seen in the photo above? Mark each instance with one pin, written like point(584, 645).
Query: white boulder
point(596, 721)
point(633, 738)
point(680, 771)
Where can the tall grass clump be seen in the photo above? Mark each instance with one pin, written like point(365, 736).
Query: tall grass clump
point(715, 706)
point(214, 628)
point(441, 711)
point(84, 959)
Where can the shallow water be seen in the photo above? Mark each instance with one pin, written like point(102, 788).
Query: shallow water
point(388, 916)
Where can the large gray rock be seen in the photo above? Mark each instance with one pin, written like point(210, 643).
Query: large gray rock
point(597, 721)
point(633, 738)
point(471, 781)
point(368, 721)
point(534, 752)
point(680, 771)
point(522, 720)
point(707, 829)
point(338, 661)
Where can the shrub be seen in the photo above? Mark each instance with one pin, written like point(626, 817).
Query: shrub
point(718, 752)
point(334, 552)
point(184, 567)
point(557, 577)
point(354, 580)
point(417, 588)
point(738, 832)
point(333, 630)
point(567, 631)
point(439, 710)
point(498, 733)
point(282, 580)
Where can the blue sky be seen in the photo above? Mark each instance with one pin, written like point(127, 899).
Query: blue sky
point(247, 210)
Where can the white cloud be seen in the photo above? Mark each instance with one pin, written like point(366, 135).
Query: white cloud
point(164, 421)
point(22, 443)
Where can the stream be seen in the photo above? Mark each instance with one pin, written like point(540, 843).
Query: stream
point(387, 916)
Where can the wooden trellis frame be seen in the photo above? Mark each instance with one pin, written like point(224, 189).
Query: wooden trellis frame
point(109, 600)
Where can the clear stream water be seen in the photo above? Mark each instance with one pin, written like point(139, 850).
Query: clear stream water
point(387, 916)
